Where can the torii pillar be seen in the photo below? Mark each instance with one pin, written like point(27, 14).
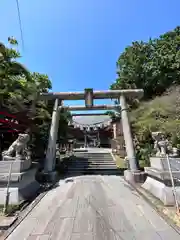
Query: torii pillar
point(133, 174)
point(51, 150)
point(127, 134)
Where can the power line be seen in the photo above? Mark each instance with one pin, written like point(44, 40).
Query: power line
point(20, 23)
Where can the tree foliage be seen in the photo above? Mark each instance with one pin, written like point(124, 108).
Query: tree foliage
point(19, 91)
point(153, 66)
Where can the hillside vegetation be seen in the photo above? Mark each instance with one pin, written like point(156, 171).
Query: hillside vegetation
point(155, 67)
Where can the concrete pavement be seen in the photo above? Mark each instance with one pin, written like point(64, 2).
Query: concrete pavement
point(93, 208)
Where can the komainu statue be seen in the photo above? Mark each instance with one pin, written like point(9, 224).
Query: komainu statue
point(161, 144)
point(18, 149)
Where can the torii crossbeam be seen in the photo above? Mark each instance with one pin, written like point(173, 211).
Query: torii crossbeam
point(96, 107)
point(107, 94)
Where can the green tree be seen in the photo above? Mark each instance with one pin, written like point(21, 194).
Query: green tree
point(19, 92)
point(153, 66)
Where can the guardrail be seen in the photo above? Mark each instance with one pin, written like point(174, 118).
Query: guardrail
point(174, 165)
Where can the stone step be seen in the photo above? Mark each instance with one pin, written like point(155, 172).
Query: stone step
point(95, 163)
point(92, 154)
point(95, 171)
point(93, 167)
point(92, 159)
point(110, 157)
point(92, 163)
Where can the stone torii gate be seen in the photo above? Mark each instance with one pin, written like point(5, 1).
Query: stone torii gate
point(89, 95)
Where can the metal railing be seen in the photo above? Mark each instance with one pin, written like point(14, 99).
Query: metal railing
point(7, 195)
point(173, 183)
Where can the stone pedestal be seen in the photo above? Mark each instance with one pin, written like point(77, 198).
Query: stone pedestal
point(159, 182)
point(134, 176)
point(22, 182)
point(50, 176)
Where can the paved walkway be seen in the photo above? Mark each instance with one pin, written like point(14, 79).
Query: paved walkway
point(93, 208)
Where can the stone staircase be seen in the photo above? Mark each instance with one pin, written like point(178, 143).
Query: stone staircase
point(89, 162)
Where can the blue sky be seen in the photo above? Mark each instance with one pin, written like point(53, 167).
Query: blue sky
point(77, 42)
